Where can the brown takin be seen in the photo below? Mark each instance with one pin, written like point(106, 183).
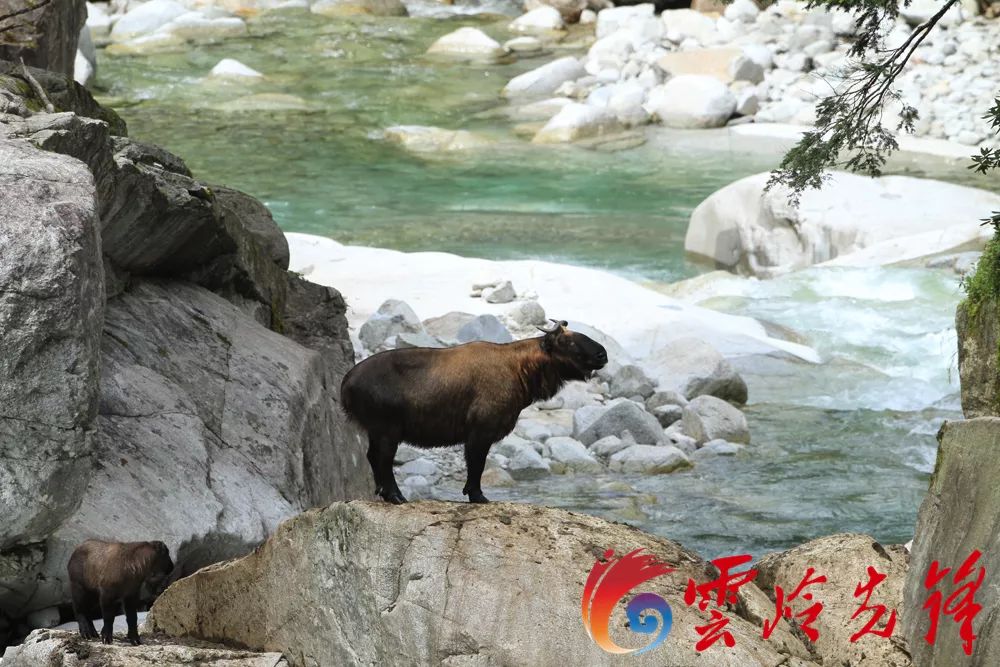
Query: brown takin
point(471, 394)
point(103, 575)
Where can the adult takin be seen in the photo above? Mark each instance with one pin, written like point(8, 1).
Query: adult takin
point(471, 394)
point(103, 575)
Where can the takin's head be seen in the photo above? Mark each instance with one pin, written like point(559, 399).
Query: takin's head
point(574, 350)
point(159, 566)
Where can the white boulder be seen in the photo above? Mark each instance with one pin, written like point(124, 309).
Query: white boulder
point(233, 69)
point(851, 221)
point(577, 121)
point(708, 418)
point(146, 18)
point(687, 23)
point(541, 19)
point(546, 79)
point(467, 43)
point(692, 101)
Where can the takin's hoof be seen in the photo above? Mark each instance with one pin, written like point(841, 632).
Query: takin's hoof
point(394, 497)
point(134, 641)
point(107, 639)
point(478, 498)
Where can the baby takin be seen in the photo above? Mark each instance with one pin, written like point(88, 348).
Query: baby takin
point(103, 575)
point(471, 394)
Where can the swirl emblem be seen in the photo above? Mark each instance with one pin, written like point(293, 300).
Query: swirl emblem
point(609, 582)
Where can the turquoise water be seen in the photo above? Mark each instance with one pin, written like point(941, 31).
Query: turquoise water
point(847, 445)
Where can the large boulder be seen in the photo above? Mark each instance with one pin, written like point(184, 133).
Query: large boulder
point(45, 37)
point(544, 80)
point(850, 221)
point(692, 101)
point(844, 561)
point(691, 367)
point(372, 583)
point(615, 420)
point(392, 318)
point(51, 313)
point(960, 514)
point(709, 418)
point(59, 648)
point(212, 430)
point(978, 328)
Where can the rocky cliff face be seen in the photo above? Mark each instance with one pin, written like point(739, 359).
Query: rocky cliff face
point(162, 375)
point(44, 34)
point(978, 355)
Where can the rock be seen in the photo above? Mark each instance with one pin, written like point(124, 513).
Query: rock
point(631, 381)
point(234, 69)
point(621, 417)
point(59, 648)
point(447, 326)
point(919, 11)
point(524, 44)
point(610, 21)
point(571, 11)
point(691, 367)
point(146, 18)
point(649, 460)
point(545, 79)
point(496, 478)
point(678, 439)
point(425, 139)
point(747, 102)
point(571, 455)
point(707, 418)
point(393, 317)
point(406, 563)
point(51, 311)
point(264, 103)
point(978, 342)
point(420, 339)
point(540, 425)
point(744, 11)
point(527, 464)
point(667, 414)
point(844, 561)
point(421, 466)
point(717, 62)
point(541, 19)
point(717, 447)
point(484, 327)
point(686, 23)
point(754, 232)
point(665, 397)
point(502, 293)
point(527, 314)
point(43, 618)
point(85, 62)
point(607, 446)
point(577, 121)
point(948, 530)
point(339, 8)
point(467, 43)
point(744, 68)
point(83, 71)
point(692, 101)
point(45, 37)
point(195, 26)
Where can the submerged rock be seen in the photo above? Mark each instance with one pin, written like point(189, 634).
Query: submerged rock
point(229, 68)
point(425, 139)
point(709, 418)
point(467, 43)
point(369, 574)
point(649, 459)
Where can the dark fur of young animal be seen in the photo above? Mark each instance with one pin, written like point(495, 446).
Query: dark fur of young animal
point(469, 394)
point(104, 575)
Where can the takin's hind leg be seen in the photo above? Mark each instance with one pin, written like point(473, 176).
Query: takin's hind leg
point(475, 462)
point(385, 479)
point(373, 462)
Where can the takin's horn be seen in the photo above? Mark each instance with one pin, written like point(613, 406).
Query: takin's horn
point(556, 325)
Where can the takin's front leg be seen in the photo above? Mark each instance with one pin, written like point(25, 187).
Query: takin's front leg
point(83, 602)
point(475, 461)
point(386, 478)
point(131, 603)
point(109, 609)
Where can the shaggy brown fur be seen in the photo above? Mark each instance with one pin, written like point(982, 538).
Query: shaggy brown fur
point(103, 575)
point(469, 394)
